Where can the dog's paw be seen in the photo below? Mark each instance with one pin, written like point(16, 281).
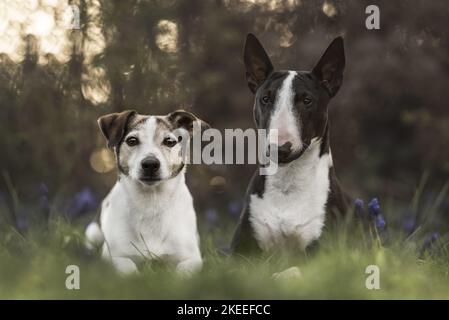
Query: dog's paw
point(290, 273)
point(124, 266)
point(94, 237)
point(189, 267)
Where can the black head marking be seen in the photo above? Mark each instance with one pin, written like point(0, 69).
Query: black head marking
point(257, 63)
point(310, 90)
point(329, 69)
point(114, 125)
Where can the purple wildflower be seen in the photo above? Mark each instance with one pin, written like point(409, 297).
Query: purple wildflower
point(409, 224)
point(374, 208)
point(82, 202)
point(359, 208)
point(429, 242)
point(43, 202)
point(380, 222)
point(211, 216)
point(234, 208)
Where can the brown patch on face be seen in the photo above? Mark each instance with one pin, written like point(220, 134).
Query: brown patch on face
point(172, 155)
point(136, 121)
point(133, 124)
point(184, 119)
point(156, 129)
point(114, 125)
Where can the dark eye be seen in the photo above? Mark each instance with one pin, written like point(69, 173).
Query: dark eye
point(132, 141)
point(265, 99)
point(307, 101)
point(169, 142)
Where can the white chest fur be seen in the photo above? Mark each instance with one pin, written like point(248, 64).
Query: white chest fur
point(144, 225)
point(291, 212)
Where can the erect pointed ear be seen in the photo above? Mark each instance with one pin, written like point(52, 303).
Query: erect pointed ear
point(257, 63)
point(113, 126)
point(329, 69)
point(186, 120)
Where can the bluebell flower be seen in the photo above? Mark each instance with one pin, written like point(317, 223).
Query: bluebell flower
point(375, 215)
point(409, 224)
point(43, 202)
point(211, 216)
point(380, 222)
point(429, 242)
point(374, 208)
point(234, 208)
point(434, 237)
point(359, 208)
point(82, 202)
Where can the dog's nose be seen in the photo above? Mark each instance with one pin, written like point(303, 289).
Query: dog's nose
point(283, 152)
point(150, 164)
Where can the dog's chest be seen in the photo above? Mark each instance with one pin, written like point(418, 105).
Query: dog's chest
point(291, 212)
point(146, 227)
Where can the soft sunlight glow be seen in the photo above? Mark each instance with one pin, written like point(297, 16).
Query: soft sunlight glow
point(329, 9)
point(50, 22)
point(95, 42)
point(102, 160)
point(46, 20)
point(273, 5)
point(95, 86)
point(40, 23)
point(167, 39)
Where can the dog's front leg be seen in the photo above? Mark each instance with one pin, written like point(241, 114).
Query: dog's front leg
point(124, 265)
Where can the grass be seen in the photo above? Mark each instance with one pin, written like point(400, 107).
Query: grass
point(32, 266)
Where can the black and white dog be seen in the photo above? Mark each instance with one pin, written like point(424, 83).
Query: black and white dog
point(149, 212)
point(288, 209)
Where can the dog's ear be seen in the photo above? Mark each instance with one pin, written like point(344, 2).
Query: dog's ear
point(113, 126)
point(257, 63)
point(329, 69)
point(186, 120)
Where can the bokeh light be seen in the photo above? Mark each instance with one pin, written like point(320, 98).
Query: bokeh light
point(102, 160)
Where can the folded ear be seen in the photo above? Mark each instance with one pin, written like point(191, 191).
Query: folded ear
point(329, 69)
point(113, 126)
point(184, 119)
point(257, 63)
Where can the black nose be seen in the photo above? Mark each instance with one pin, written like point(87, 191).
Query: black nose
point(283, 152)
point(150, 165)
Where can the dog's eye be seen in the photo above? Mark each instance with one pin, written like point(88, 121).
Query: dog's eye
point(169, 142)
point(266, 99)
point(307, 100)
point(132, 141)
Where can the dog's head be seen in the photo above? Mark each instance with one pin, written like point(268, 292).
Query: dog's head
point(293, 102)
point(148, 148)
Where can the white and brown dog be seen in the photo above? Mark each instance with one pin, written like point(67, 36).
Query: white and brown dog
point(149, 212)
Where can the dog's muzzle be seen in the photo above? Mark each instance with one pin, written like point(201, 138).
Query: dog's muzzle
point(285, 153)
point(150, 170)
